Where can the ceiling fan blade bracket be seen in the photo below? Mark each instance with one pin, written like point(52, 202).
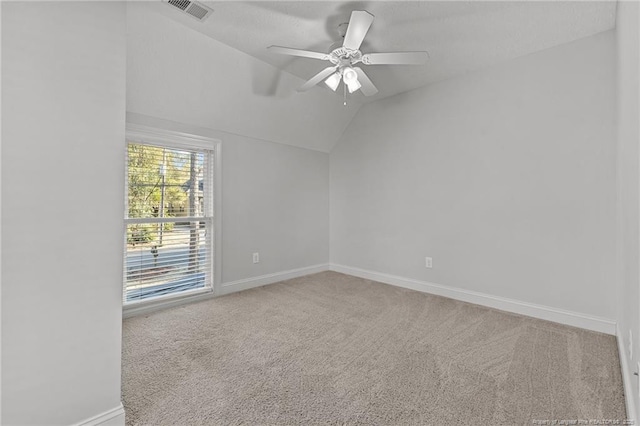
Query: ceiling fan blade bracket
point(395, 58)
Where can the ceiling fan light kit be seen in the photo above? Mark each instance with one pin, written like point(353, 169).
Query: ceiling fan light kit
point(350, 78)
point(333, 81)
point(346, 56)
point(349, 75)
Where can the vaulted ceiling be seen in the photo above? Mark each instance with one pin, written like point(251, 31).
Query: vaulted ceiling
point(459, 36)
point(218, 73)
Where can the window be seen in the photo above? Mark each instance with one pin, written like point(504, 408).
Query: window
point(169, 226)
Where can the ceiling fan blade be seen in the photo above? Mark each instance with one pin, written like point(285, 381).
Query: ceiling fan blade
point(367, 89)
point(298, 52)
point(359, 24)
point(395, 58)
point(317, 78)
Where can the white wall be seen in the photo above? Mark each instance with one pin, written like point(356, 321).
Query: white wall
point(628, 113)
point(506, 177)
point(275, 200)
point(63, 92)
point(178, 74)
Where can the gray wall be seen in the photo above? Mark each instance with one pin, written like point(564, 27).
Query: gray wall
point(275, 200)
point(628, 49)
point(63, 118)
point(506, 177)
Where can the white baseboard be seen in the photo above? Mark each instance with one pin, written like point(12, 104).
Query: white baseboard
point(574, 319)
point(627, 376)
point(247, 283)
point(113, 417)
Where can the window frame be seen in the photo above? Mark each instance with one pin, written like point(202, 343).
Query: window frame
point(178, 140)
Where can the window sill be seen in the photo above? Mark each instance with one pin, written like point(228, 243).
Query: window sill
point(142, 307)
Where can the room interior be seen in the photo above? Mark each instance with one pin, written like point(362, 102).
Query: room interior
point(509, 159)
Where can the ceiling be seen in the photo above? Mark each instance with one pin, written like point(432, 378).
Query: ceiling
point(459, 36)
point(181, 76)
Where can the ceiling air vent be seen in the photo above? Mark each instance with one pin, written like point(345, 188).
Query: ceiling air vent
point(192, 8)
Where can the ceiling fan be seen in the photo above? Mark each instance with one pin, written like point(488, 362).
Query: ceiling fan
point(345, 57)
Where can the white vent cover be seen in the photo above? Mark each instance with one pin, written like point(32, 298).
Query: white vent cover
point(194, 9)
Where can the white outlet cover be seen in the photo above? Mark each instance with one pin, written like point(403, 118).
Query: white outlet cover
point(428, 262)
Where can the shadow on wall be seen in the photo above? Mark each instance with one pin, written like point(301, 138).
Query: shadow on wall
point(265, 80)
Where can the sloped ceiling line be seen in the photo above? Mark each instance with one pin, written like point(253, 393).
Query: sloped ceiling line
point(460, 36)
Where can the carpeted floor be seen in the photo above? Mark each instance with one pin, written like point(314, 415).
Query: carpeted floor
point(334, 349)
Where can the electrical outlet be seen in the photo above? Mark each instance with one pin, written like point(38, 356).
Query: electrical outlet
point(256, 257)
point(630, 345)
point(428, 262)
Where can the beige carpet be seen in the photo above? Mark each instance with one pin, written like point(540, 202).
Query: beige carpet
point(333, 349)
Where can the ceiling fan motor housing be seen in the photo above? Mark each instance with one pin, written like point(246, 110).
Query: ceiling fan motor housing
point(344, 56)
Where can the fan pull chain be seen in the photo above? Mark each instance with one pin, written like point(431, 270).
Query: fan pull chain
point(344, 87)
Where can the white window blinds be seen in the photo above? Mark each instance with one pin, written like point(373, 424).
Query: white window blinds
point(169, 221)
